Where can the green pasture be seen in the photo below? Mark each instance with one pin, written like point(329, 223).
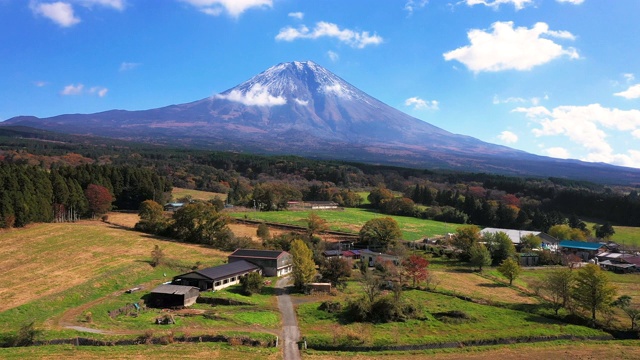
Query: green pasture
point(485, 323)
point(352, 219)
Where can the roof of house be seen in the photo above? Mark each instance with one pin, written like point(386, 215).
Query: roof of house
point(348, 253)
point(226, 270)
point(514, 235)
point(369, 252)
point(332, 252)
point(258, 254)
point(582, 245)
point(173, 289)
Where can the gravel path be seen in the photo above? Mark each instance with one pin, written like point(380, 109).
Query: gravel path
point(291, 333)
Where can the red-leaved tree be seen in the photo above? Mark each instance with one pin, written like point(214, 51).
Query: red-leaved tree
point(415, 267)
point(99, 199)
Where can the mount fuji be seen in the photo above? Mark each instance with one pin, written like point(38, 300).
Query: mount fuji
point(301, 108)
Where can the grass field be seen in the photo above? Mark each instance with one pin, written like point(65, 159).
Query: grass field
point(486, 323)
point(178, 193)
point(352, 219)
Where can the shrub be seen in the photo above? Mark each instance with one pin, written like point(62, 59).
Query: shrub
point(331, 307)
point(27, 335)
point(251, 283)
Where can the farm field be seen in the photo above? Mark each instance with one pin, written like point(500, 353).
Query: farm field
point(177, 193)
point(352, 219)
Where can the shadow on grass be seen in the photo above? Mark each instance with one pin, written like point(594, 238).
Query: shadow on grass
point(493, 285)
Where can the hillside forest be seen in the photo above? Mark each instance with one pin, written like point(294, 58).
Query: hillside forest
point(48, 177)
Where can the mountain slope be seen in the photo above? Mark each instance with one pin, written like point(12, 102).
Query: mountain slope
point(302, 108)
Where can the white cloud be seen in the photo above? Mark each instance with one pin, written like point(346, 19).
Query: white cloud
point(333, 55)
point(79, 89)
point(507, 48)
point(508, 137)
point(72, 89)
point(301, 102)
point(588, 127)
point(629, 77)
point(574, 2)
point(126, 66)
point(511, 100)
point(116, 4)
point(324, 29)
point(59, 12)
point(413, 5)
point(518, 4)
point(257, 95)
point(297, 15)
point(557, 152)
point(40, 83)
point(636, 133)
point(234, 7)
point(419, 104)
point(633, 92)
point(98, 90)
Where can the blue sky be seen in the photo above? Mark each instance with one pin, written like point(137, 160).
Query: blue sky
point(558, 78)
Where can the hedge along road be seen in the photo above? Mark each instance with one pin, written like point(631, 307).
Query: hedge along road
point(290, 331)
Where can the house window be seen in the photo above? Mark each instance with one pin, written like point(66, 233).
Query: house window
point(233, 278)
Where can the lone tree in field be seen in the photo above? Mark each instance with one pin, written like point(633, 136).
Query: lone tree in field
point(593, 290)
point(335, 270)
point(99, 199)
point(415, 267)
point(152, 219)
point(510, 269)
point(633, 312)
point(157, 256)
point(605, 231)
point(380, 233)
point(479, 256)
point(558, 285)
point(315, 225)
point(263, 231)
point(304, 269)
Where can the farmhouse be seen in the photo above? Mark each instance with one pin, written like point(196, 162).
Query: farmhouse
point(167, 295)
point(585, 250)
point(173, 206)
point(548, 241)
point(218, 277)
point(312, 205)
point(272, 262)
point(372, 258)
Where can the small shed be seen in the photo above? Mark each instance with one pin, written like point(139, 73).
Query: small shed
point(371, 258)
point(167, 295)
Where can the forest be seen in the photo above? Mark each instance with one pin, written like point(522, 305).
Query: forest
point(44, 174)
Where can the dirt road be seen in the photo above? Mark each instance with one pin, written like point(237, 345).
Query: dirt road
point(290, 331)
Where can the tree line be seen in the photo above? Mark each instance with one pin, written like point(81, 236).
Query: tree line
point(32, 194)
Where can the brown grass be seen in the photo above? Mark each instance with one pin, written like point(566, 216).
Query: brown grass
point(477, 287)
point(45, 259)
point(177, 193)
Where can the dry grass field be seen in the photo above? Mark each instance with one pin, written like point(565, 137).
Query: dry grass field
point(178, 193)
point(476, 287)
point(46, 259)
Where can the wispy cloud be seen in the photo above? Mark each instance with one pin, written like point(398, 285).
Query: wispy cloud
point(420, 104)
point(519, 100)
point(325, 29)
point(72, 89)
point(509, 48)
point(412, 5)
point(59, 12)
point(63, 13)
point(235, 8)
point(79, 89)
point(297, 15)
point(333, 55)
point(557, 152)
point(126, 66)
point(495, 4)
point(574, 2)
point(257, 95)
point(588, 127)
point(40, 83)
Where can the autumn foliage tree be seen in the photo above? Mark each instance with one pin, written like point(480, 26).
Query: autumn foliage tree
point(415, 267)
point(99, 199)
